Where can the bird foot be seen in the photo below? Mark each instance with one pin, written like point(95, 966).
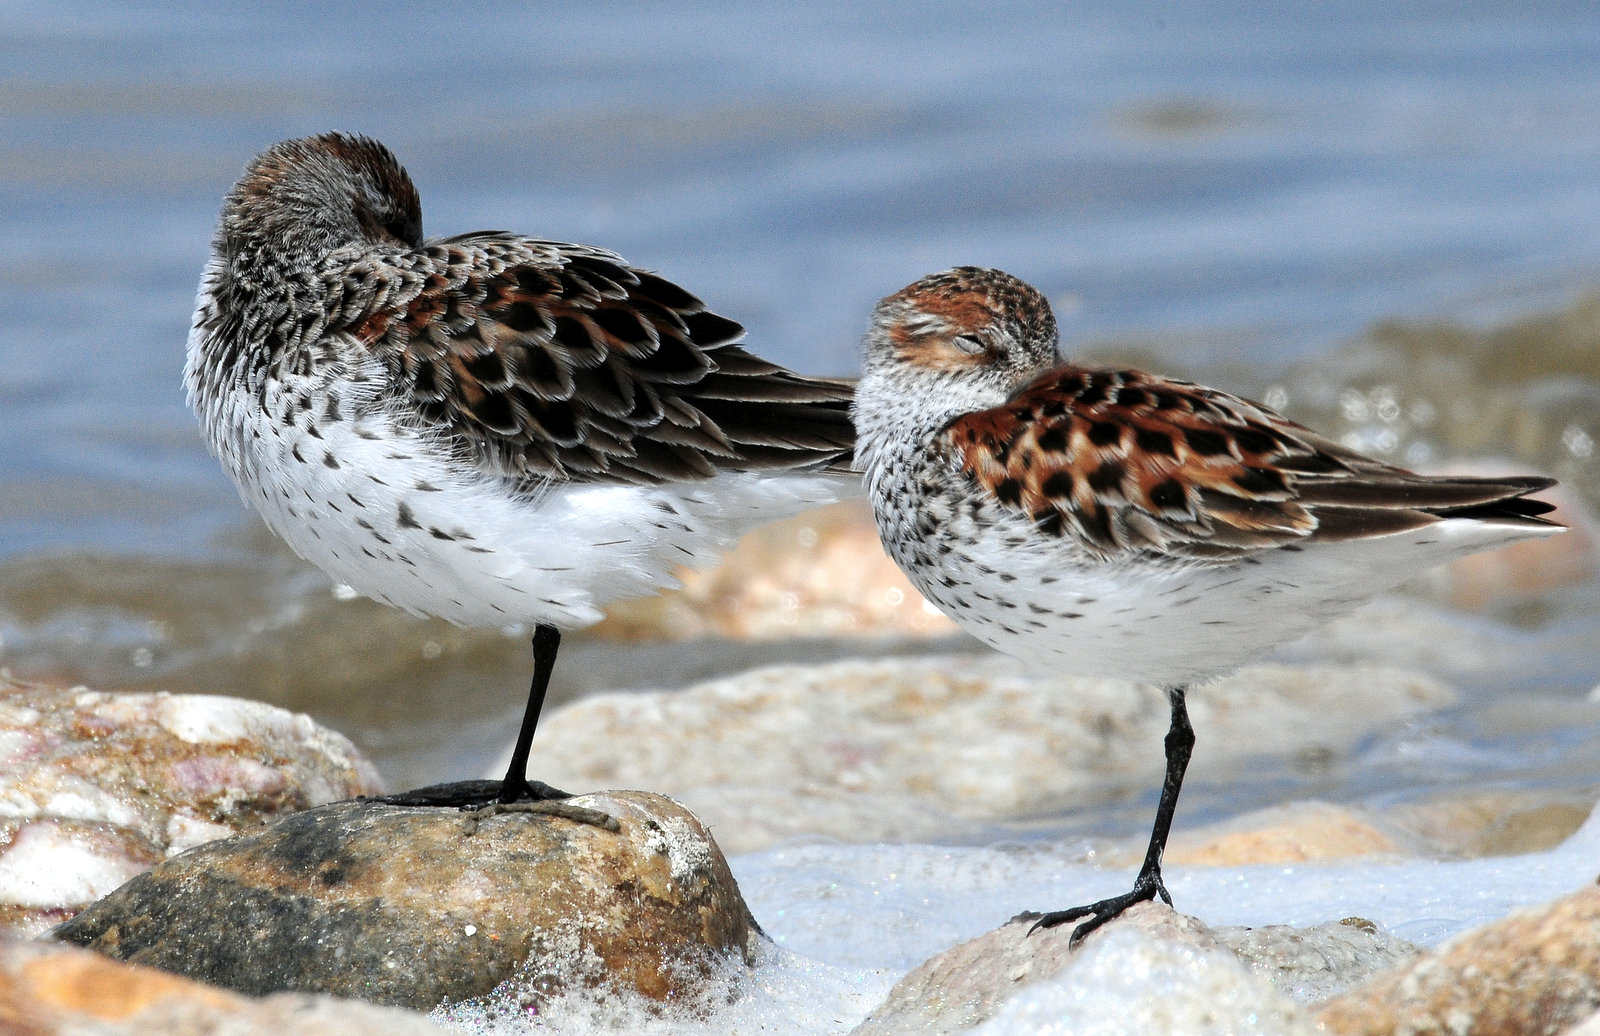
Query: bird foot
point(485, 799)
point(473, 794)
point(1145, 888)
point(565, 810)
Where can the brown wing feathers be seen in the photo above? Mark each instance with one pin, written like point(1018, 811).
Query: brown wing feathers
point(1122, 460)
point(563, 362)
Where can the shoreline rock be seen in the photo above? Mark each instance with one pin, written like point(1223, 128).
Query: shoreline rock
point(53, 990)
point(1534, 973)
point(413, 906)
point(97, 786)
point(929, 747)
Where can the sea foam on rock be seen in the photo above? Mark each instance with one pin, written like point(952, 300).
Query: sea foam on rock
point(411, 906)
point(1017, 979)
point(97, 786)
point(1535, 973)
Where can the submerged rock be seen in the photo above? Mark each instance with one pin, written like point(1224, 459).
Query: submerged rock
point(411, 906)
point(95, 787)
point(1534, 973)
point(53, 990)
point(928, 747)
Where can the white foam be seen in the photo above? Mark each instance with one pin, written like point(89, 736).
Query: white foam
point(848, 921)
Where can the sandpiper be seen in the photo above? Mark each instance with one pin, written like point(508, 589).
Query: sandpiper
point(1118, 523)
point(489, 428)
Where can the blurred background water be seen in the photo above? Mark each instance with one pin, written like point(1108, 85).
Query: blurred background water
point(1380, 217)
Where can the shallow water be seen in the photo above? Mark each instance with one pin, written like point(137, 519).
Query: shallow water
point(1251, 184)
point(1381, 220)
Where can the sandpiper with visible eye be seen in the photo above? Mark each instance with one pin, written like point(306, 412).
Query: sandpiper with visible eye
point(489, 428)
point(1117, 523)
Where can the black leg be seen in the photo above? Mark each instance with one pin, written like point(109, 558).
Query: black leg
point(515, 787)
point(1148, 885)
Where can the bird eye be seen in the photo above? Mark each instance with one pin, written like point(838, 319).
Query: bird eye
point(972, 345)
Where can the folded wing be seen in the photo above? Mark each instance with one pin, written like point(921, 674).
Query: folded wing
point(1126, 461)
point(562, 362)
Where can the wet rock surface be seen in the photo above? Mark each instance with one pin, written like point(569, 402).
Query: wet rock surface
point(1533, 973)
point(54, 990)
point(95, 787)
point(412, 906)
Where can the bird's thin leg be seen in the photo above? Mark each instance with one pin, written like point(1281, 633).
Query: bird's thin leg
point(516, 786)
point(1148, 885)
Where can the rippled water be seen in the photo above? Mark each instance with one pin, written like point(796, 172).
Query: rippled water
point(1382, 218)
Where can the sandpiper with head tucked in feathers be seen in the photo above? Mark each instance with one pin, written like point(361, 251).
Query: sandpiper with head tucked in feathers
point(1118, 523)
point(489, 428)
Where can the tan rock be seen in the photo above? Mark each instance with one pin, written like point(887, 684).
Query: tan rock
point(820, 574)
point(1487, 824)
point(1495, 823)
point(95, 786)
point(1295, 833)
point(412, 906)
point(53, 990)
point(1484, 824)
point(927, 747)
point(1533, 973)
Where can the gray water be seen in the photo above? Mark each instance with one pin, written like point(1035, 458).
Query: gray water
point(1236, 191)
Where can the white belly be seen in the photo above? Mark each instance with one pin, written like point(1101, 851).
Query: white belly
point(1175, 624)
point(395, 518)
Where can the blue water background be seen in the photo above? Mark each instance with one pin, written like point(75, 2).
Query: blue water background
point(1263, 179)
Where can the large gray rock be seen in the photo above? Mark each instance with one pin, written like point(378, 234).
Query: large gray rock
point(410, 906)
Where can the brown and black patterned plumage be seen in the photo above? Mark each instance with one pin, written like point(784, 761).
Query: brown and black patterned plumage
point(1121, 460)
point(1118, 523)
point(546, 360)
